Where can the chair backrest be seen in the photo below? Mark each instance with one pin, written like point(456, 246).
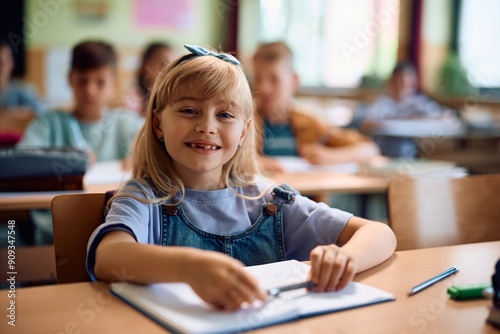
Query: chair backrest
point(425, 212)
point(74, 218)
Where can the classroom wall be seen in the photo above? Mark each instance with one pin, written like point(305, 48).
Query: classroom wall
point(53, 27)
point(248, 29)
point(436, 35)
point(65, 26)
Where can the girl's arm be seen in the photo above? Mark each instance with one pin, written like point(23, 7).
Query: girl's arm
point(217, 278)
point(363, 244)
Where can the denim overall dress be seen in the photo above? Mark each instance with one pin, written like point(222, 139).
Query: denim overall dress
point(262, 242)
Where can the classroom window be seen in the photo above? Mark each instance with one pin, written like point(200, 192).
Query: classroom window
point(479, 49)
point(336, 43)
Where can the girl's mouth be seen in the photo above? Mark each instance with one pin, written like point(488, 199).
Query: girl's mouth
point(204, 147)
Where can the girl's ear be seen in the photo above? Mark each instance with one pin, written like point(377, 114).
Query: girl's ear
point(157, 126)
point(245, 130)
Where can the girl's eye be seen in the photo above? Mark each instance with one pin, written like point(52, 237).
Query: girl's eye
point(225, 115)
point(188, 111)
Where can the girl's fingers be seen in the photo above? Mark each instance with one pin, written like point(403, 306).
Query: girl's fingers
point(327, 269)
point(339, 267)
point(252, 283)
point(243, 292)
point(243, 287)
point(316, 256)
point(331, 268)
point(225, 301)
point(348, 275)
point(237, 300)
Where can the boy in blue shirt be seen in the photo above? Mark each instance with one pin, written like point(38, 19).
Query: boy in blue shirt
point(91, 126)
point(105, 134)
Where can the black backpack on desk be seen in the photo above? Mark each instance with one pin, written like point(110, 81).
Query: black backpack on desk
point(42, 169)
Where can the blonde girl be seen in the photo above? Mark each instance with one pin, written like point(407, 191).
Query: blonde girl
point(196, 211)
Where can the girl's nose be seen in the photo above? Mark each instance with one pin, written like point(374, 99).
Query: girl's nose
point(206, 126)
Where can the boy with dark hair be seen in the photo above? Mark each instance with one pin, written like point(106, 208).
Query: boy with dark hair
point(288, 130)
point(105, 134)
point(91, 126)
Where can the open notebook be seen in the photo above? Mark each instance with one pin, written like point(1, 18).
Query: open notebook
point(178, 308)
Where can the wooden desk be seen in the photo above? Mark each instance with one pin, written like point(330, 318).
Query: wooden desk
point(90, 308)
point(323, 183)
point(318, 184)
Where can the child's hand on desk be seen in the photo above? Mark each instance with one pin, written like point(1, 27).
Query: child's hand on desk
point(331, 268)
point(221, 281)
point(316, 154)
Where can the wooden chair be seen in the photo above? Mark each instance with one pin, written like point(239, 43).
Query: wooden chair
point(425, 212)
point(74, 218)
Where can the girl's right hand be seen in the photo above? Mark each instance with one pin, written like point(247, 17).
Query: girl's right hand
point(221, 281)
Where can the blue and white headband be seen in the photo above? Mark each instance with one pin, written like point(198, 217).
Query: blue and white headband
point(198, 51)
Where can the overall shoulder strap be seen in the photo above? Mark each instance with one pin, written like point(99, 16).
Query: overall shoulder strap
point(284, 194)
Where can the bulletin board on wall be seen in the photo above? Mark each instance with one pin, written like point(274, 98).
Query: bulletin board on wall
point(171, 14)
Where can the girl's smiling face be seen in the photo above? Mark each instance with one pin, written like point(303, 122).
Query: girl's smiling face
point(201, 136)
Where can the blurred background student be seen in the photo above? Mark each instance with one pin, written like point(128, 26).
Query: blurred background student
point(156, 56)
point(15, 96)
point(104, 133)
point(19, 101)
point(402, 101)
point(288, 129)
point(91, 126)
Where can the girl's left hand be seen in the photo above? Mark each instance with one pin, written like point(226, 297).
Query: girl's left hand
point(331, 268)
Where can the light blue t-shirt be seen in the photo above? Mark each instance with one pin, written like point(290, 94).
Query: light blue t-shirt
point(19, 94)
point(306, 223)
point(109, 138)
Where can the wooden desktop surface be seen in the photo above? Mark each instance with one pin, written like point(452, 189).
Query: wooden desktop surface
point(90, 308)
point(315, 184)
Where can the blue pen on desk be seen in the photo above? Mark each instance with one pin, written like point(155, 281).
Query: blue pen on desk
point(434, 280)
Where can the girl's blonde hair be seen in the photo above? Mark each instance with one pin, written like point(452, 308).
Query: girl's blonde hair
point(204, 77)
